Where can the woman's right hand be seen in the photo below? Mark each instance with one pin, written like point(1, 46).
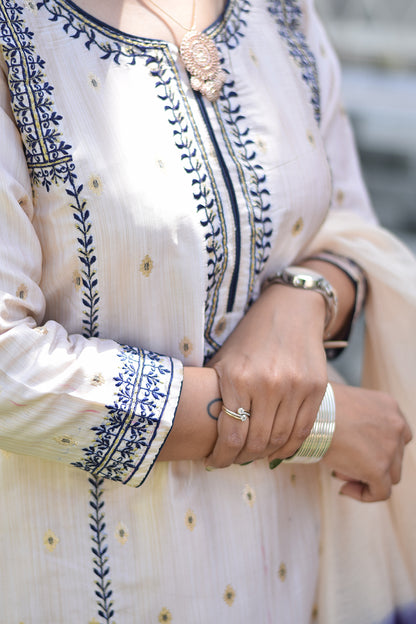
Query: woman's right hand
point(368, 443)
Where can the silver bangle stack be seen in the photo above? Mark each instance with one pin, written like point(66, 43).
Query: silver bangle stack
point(319, 440)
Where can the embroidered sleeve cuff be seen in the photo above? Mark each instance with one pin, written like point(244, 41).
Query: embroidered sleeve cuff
point(127, 443)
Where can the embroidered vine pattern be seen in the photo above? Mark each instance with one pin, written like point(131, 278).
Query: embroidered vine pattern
point(288, 16)
point(234, 30)
point(99, 550)
point(208, 205)
point(47, 155)
point(90, 297)
point(122, 440)
point(76, 27)
point(257, 193)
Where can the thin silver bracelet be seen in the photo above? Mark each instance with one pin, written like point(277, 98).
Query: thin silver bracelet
point(319, 440)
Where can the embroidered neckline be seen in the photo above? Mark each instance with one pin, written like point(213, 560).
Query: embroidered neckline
point(213, 30)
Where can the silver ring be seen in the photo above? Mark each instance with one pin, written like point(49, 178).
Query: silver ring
point(241, 414)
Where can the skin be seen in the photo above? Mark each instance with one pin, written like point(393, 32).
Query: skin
point(268, 358)
point(273, 364)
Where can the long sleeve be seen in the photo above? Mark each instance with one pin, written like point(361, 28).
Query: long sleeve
point(348, 188)
point(74, 399)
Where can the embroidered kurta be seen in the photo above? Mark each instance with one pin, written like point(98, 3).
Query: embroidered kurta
point(138, 222)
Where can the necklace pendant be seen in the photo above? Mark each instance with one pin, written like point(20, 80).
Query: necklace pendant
point(202, 60)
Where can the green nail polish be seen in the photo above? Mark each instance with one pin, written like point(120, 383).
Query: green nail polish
point(209, 468)
point(273, 464)
point(247, 463)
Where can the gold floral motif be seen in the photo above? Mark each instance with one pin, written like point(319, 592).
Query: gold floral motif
point(65, 440)
point(261, 144)
point(76, 279)
point(297, 227)
point(186, 346)
point(21, 291)
point(190, 519)
point(50, 540)
point(95, 185)
point(31, 5)
point(340, 196)
point(220, 326)
point(311, 138)
point(146, 265)
point(165, 615)
point(97, 380)
point(282, 572)
point(93, 621)
point(122, 533)
point(249, 495)
point(41, 330)
point(229, 595)
point(5, 454)
point(94, 82)
point(253, 57)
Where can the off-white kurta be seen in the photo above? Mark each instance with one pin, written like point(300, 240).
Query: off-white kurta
point(134, 212)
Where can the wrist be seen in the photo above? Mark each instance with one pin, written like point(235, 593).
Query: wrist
point(305, 279)
point(296, 307)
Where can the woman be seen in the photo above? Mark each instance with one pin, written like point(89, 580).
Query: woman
point(144, 204)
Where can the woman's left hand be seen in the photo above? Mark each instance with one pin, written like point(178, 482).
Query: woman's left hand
point(274, 366)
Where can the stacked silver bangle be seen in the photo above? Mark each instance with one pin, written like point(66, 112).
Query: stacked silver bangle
point(319, 440)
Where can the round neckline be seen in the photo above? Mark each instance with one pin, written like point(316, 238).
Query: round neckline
point(212, 30)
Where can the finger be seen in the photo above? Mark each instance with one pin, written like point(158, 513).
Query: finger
point(232, 434)
point(341, 476)
point(353, 489)
point(262, 418)
point(302, 414)
point(366, 492)
point(408, 436)
point(396, 466)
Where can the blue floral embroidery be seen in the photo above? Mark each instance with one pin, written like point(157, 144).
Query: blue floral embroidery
point(119, 46)
point(234, 24)
point(99, 550)
point(76, 24)
point(253, 180)
point(47, 155)
point(288, 16)
point(124, 438)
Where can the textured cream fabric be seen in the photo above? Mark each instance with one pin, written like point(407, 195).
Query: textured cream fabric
point(133, 213)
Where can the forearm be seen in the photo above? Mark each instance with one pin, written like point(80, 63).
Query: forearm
point(279, 309)
point(194, 430)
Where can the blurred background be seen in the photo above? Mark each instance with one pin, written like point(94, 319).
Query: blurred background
point(376, 42)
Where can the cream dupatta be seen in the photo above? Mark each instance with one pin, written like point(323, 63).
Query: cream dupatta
point(369, 550)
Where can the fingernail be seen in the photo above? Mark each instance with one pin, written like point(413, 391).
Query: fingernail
point(247, 463)
point(273, 464)
point(209, 468)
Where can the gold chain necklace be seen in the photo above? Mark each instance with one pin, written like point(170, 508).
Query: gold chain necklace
point(200, 57)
